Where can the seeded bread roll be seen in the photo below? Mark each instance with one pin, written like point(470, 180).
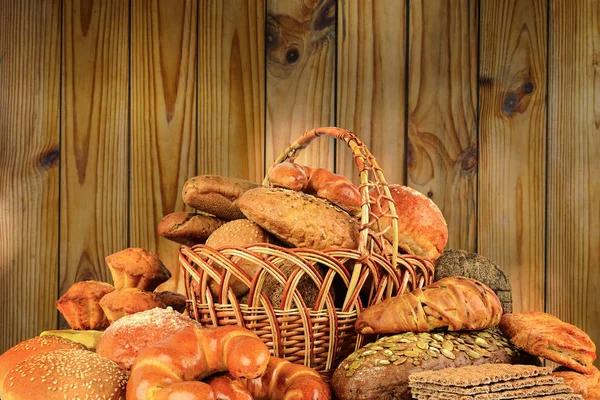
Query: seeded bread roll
point(215, 194)
point(65, 374)
point(380, 370)
point(299, 219)
point(188, 228)
point(127, 301)
point(80, 305)
point(137, 268)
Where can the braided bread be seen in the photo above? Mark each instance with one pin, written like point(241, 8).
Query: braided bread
point(173, 366)
point(457, 303)
point(282, 380)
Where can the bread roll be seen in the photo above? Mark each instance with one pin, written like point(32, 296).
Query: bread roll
point(31, 347)
point(546, 336)
point(422, 229)
point(380, 370)
point(175, 300)
point(80, 305)
point(122, 341)
point(215, 194)
point(65, 374)
point(188, 228)
point(299, 219)
point(137, 268)
point(129, 301)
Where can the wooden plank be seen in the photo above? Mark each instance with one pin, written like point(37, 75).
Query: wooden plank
point(300, 77)
point(371, 79)
point(29, 157)
point(163, 120)
point(94, 131)
point(573, 245)
point(442, 122)
point(512, 141)
point(231, 88)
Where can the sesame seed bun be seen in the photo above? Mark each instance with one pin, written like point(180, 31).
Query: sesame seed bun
point(31, 347)
point(65, 374)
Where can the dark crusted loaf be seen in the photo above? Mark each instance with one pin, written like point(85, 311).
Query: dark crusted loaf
point(380, 370)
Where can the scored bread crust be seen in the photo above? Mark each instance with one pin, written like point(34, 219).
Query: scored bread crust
point(546, 336)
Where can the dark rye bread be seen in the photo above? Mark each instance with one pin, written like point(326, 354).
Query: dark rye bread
point(455, 262)
point(380, 370)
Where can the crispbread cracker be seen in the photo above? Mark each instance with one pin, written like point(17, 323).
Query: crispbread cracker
point(495, 387)
point(478, 375)
point(534, 391)
point(566, 396)
point(465, 391)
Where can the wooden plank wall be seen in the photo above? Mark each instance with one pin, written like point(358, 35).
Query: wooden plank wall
point(106, 108)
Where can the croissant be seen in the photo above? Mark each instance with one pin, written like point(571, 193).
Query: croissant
point(282, 380)
point(172, 367)
point(455, 303)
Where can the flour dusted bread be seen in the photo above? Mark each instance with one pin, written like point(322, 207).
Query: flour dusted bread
point(215, 195)
point(137, 268)
point(546, 336)
point(188, 228)
point(299, 219)
point(80, 305)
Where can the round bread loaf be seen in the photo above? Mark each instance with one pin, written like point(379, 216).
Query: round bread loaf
point(65, 374)
point(422, 229)
point(80, 305)
point(380, 370)
point(27, 348)
point(122, 302)
point(137, 268)
point(122, 341)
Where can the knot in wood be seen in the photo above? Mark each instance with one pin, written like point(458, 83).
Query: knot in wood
point(50, 159)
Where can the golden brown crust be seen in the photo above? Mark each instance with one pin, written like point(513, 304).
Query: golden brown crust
point(66, 374)
point(299, 219)
point(137, 268)
point(31, 347)
point(188, 228)
point(546, 336)
point(122, 302)
point(587, 386)
point(422, 229)
point(80, 305)
point(455, 303)
point(215, 194)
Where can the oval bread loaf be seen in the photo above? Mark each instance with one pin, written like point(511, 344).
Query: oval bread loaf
point(299, 219)
point(188, 228)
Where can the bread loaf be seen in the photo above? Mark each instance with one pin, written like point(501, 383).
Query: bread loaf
point(299, 219)
point(215, 194)
point(380, 370)
point(188, 228)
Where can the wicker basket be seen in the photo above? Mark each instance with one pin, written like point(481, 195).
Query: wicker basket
point(318, 335)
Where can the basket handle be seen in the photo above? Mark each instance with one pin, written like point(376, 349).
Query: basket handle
point(371, 175)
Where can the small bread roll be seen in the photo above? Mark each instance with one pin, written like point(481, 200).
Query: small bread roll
point(173, 299)
point(129, 301)
point(188, 228)
point(80, 305)
point(240, 232)
point(422, 229)
point(137, 268)
point(215, 194)
point(28, 348)
point(65, 374)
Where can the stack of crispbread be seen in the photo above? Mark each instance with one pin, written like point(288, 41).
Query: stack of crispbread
point(489, 382)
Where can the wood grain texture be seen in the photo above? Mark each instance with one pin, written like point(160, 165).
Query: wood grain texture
point(512, 142)
point(231, 93)
point(163, 120)
point(94, 132)
point(300, 76)
point(371, 83)
point(442, 121)
point(29, 157)
point(573, 245)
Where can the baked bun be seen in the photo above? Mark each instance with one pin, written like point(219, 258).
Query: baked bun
point(34, 346)
point(175, 300)
point(65, 374)
point(587, 386)
point(188, 228)
point(137, 268)
point(546, 336)
point(122, 341)
point(122, 302)
point(422, 229)
point(80, 305)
